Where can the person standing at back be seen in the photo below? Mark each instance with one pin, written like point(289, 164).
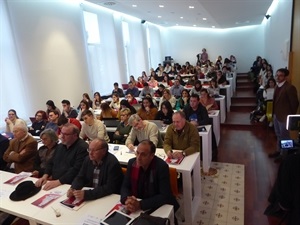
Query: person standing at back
point(285, 102)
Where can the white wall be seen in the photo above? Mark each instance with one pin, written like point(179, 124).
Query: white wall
point(183, 44)
point(277, 34)
point(51, 51)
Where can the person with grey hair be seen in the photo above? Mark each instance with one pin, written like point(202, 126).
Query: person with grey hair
point(45, 153)
point(22, 150)
point(100, 170)
point(141, 130)
point(67, 159)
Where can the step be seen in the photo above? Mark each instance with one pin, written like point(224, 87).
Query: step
point(237, 100)
point(245, 84)
point(244, 88)
point(242, 107)
point(245, 93)
point(241, 120)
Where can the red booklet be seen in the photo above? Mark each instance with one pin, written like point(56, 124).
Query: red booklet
point(174, 161)
point(45, 200)
point(16, 179)
point(73, 203)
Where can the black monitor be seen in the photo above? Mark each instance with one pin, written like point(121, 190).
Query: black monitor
point(293, 122)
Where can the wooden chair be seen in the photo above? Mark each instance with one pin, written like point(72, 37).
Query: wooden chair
point(173, 181)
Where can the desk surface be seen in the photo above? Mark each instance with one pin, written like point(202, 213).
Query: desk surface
point(95, 208)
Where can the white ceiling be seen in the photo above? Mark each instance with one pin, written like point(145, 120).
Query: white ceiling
point(218, 13)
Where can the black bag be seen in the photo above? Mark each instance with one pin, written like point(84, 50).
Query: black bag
point(145, 219)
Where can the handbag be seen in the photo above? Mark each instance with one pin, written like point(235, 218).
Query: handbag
point(145, 219)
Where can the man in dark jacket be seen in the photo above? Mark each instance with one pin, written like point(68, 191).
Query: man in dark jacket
point(100, 170)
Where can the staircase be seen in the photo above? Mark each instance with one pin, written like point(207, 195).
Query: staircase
point(242, 103)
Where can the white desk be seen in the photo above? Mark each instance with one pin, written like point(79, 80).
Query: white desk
point(230, 80)
point(206, 148)
point(46, 216)
point(221, 99)
point(228, 96)
point(191, 184)
point(215, 115)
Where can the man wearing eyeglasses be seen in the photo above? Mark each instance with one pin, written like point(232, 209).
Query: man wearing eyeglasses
point(100, 170)
point(147, 178)
point(67, 159)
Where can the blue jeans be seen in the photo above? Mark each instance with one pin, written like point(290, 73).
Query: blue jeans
point(281, 132)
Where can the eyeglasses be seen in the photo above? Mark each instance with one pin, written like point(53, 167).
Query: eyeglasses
point(65, 134)
point(93, 150)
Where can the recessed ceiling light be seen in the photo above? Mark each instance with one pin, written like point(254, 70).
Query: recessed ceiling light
point(191, 7)
point(181, 17)
point(176, 24)
point(134, 5)
point(161, 6)
point(204, 18)
point(213, 27)
point(109, 3)
point(194, 25)
point(159, 16)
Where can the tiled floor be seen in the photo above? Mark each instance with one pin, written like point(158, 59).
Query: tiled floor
point(223, 196)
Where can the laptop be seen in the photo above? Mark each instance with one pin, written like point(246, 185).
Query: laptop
point(159, 124)
point(111, 122)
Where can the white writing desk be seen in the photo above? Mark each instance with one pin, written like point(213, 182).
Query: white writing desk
point(46, 216)
point(215, 115)
point(227, 96)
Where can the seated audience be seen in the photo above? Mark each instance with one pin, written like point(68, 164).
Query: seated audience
point(123, 129)
point(132, 80)
point(39, 124)
point(100, 170)
point(125, 104)
point(195, 112)
point(165, 113)
point(152, 82)
point(53, 116)
point(132, 89)
point(148, 110)
point(115, 103)
point(117, 90)
point(62, 120)
point(84, 105)
point(21, 151)
point(197, 88)
point(147, 178)
point(45, 152)
point(96, 101)
point(192, 80)
point(167, 97)
point(141, 130)
point(146, 91)
point(221, 78)
point(107, 112)
point(181, 135)
point(4, 143)
point(12, 120)
point(167, 82)
point(145, 78)
point(131, 99)
point(213, 89)
point(218, 63)
point(176, 89)
point(92, 128)
point(269, 90)
point(208, 102)
point(183, 101)
point(51, 106)
point(68, 111)
point(181, 81)
point(140, 83)
point(86, 97)
point(159, 91)
point(67, 159)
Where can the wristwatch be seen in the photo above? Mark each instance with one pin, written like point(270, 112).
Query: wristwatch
point(183, 153)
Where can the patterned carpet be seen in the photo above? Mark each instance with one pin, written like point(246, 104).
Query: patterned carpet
point(222, 196)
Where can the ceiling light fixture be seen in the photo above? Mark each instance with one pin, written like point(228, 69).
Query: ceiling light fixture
point(161, 6)
point(159, 16)
point(204, 18)
point(181, 17)
point(191, 7)
point(134, 5)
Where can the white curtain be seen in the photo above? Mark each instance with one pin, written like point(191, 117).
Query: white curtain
point(12, 93)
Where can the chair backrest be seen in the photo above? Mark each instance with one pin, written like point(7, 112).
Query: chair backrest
point(173, 181)
point(125, 86)
point(124, 170)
